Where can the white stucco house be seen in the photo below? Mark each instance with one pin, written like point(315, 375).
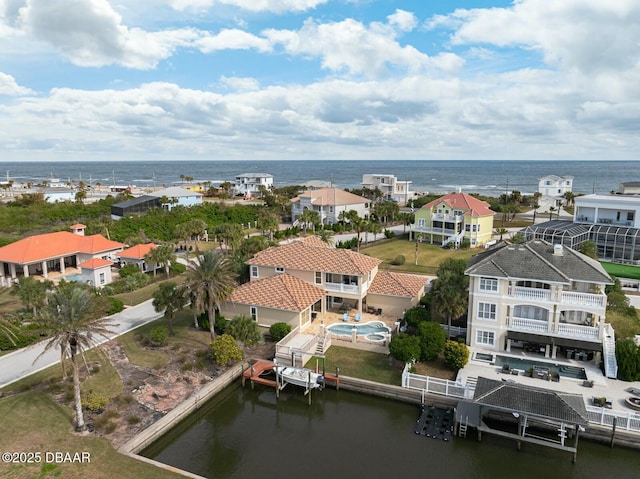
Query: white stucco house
point(552, 185)
point(329, 203)
point(250, 184)
point(178, 197)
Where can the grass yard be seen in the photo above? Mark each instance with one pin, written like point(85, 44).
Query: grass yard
point(141, 295)
point(429, 256)
point(33, 422)
point(9, 303)
point(622, 270)
point(624, 326)
point(361, 364)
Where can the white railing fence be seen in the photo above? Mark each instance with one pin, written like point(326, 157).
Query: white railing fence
point(427, 384)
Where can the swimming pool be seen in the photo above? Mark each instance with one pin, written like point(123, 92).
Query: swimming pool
point(373, 330)
point(76, 278)
point(565, 370)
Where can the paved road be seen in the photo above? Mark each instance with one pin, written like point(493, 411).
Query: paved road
point(21, 363)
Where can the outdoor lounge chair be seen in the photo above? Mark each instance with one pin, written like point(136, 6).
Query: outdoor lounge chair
point(345, 317)
point(357, 318)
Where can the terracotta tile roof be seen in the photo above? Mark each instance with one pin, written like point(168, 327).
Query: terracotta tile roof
point(78, 226)
point(311, 256)
point(95, 263)
point(461, 201)
point(398, 284)
point(281, 291)
point(55, 245)
point(331, 197)
point(137, 252)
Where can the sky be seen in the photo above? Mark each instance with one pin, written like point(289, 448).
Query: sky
point(100, 80)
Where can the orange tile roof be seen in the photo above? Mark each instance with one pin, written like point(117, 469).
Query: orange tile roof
point(95, 263)
point(281, 291)
point(55, 245)
point(310, 256)
point(398, 284)
point(331, 196)
point(138, 251)
point(461, 201)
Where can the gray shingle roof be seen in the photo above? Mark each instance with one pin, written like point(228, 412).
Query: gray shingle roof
point(545, 403)
point(535, 260)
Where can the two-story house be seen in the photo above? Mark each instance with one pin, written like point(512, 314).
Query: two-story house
point(542, 298)
point(392, 188)
point(452, 218)
point(553, 185)
point(291, 282)
point(250, 185)
point(329, 203)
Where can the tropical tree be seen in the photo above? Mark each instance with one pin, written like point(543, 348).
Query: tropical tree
point(449, 296)
point(552, 210)
point(501, 232)
point(407, 219)
point(170, 298)
point(162, 255)
point(355, 221)
point(269, 222)
point(570, 197)
point(590, 249)
point(32, 293)
point(308, 217)
point(72, 317)
point(536, 207)
point(210, 281)
point(326, 236)
point(230, 234)
point(244, 329)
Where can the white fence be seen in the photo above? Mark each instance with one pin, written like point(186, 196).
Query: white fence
point(628, 421)
point(427, 384)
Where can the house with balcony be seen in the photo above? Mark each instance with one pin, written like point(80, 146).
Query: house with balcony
point(250, 185)
point(545, 299)
point(612, 222)
point(392, 188)
point(295, 281)
point(452, 218)
point(329, 203)
point(553, 185)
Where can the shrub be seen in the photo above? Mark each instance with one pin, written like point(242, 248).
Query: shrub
point(389, 234)
point(416, 315)
point(456, 355)
point(159, 336)
point(244, 329)
point(94, 402)
point(225, 349)
point(128, 270)
point(628, 357)
point(398, 260)
point(203, 321)
point(177, 268)
point(221, 324)
point(133, 420)
point(115, 305)
point(432, 340)
point(279, 331)
point(465, 243)
point(404, 347)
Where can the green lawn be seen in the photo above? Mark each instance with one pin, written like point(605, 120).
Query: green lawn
point(33, 422)
point(429, 256)
point(622, 270)
point(360, 364)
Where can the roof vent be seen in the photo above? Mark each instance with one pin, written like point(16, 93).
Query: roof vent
point(557, 250)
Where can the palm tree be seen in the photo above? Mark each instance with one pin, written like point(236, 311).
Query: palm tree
point(210, 280)
point(71, 315)
point(501, 232)
point(448, 298)
point(552, 209)
point(162, 255)
point(32, 293)
point(308, 217)
point(170, 298)
point(536, 206)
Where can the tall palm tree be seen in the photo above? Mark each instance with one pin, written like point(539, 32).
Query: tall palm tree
point(449, 296)
point(210, 280)
point(170, 298)
point(71, 315)
point(162, 255)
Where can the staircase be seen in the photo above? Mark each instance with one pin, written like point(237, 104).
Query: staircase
point(609, 352)
point(471, 386)
point(456, 239)
point(321, 345)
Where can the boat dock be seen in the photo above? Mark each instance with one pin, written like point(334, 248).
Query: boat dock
point(435, 422)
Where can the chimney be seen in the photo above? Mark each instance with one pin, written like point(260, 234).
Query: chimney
point(557, 250)
point(78, 229)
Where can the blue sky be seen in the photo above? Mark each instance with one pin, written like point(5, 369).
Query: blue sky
point(319, 79)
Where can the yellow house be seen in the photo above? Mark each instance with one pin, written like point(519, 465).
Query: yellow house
point(453, 218)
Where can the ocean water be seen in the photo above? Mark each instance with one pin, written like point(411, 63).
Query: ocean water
point(490, 178)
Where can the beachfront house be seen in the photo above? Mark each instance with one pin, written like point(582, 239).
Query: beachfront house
point(329, 203)
point(250, 185)
point(552, 185)
point(392, 188)
point(540, 298)
point(177, 196)
point(43, 255)
point(453, 218)
point(296, 281)
point(612, 222)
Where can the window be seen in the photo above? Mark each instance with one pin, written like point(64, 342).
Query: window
point(487, 311)
point(630, 216)
point(467, 227)
point(318, 277)
point(485, 337)
point(254, 313)
point(421, 222)
point(279, 269)
point(254, 271)
point(488, 284)
point(102, 278)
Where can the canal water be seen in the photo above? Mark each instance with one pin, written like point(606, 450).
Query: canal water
point(244, 433)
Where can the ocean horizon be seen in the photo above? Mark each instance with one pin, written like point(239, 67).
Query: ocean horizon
point(486, 177)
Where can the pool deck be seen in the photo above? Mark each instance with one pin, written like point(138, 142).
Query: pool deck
point(612, 389)
point(326, 319)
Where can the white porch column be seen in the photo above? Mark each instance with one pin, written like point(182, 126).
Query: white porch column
point(546, 350)
point(1, 269)
point(508, 345)
point(62, 265)
point(45, 271)
point(25, 270)
point(554, 351)
point(12, 269)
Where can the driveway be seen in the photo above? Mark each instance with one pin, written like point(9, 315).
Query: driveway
point(24, 362)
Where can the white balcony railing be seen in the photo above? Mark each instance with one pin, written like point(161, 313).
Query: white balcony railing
point(525, 324)
point(536, 294)
point(578, 331)
point(342, 288)
point(448, 218)
point(584, 299)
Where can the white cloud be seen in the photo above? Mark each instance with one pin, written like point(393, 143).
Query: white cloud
point(8, 86)
point(240, 84)
point(403, 20)
point(232, 39)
